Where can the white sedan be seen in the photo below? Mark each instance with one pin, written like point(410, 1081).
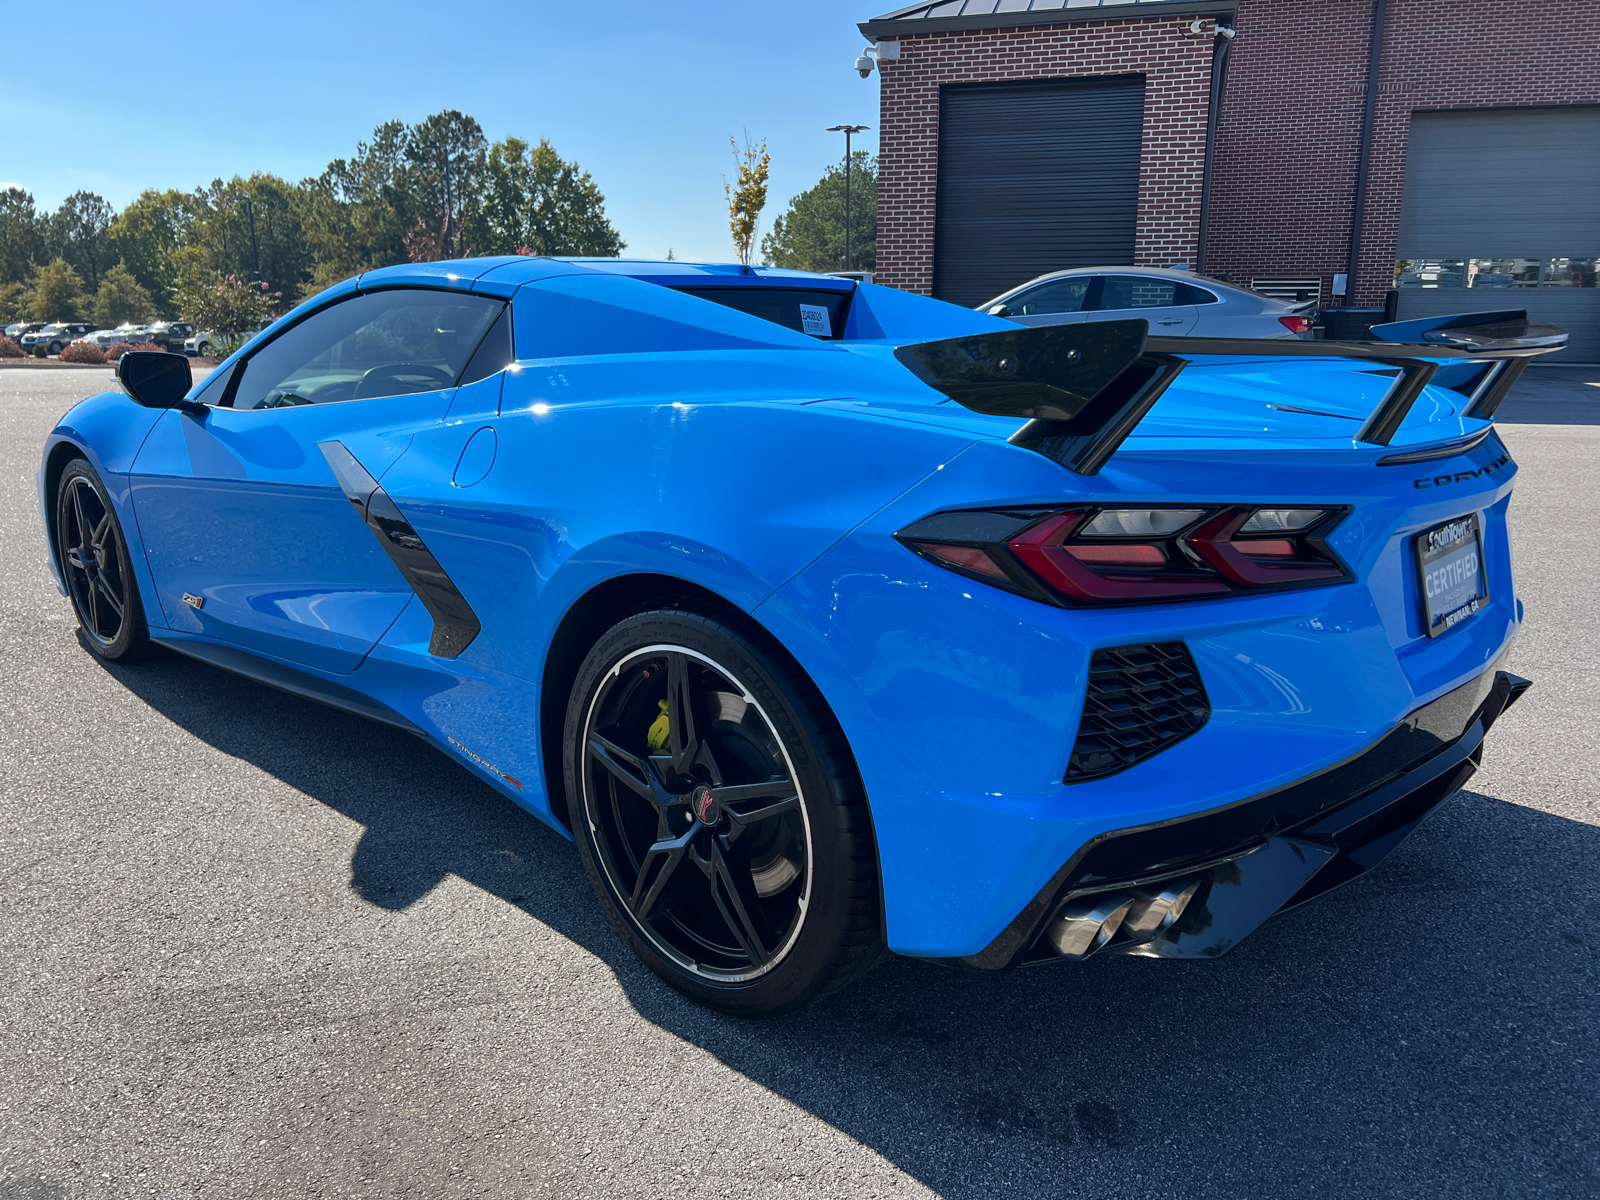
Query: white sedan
point(102, 338)
point(1176, 303)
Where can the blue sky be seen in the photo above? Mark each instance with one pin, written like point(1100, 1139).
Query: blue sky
point(644, 96)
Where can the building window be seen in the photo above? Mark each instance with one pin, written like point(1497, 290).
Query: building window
point(1494, 272)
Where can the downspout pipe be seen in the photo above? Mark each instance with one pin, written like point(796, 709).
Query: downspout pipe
point(1219, 72)
point(1369, 112)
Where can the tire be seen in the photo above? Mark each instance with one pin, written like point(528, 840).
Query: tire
point(732, 850)
point(94, 560)
point(55, 349)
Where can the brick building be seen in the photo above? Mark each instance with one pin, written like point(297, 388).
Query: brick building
point(1023, 136)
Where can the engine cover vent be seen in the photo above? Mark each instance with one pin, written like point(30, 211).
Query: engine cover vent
point(1141, 699)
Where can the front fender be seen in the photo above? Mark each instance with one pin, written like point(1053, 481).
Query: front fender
point(108, 431)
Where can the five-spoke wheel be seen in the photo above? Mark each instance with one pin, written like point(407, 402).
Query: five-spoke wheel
point(94, 561)
point(718, 814)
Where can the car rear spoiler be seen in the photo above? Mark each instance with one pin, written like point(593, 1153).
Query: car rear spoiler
point(1085, 387)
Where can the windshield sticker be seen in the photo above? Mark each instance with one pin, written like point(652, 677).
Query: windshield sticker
point(814, 320)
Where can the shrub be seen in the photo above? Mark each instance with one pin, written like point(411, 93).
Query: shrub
point(114, 352)
point(10, 348)
point(82, 352)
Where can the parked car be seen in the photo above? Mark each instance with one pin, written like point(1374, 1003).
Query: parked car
point(49, 339)
point(855, 619)
point(199, 343)
point(103, 338)
point(22, 328)
point(169, 335)
point(131, 332)
point(1176, 303)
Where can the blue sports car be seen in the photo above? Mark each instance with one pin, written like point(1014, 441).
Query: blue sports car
point(831, 620)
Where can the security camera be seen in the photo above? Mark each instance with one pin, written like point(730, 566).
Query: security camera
point(864, 64)
point(1224, 31)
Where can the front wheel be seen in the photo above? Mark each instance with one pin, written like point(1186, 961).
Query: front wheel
point(95, 563)
point(719, 814)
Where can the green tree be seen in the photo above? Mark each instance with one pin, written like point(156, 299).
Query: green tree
point(357, 212)
point(121, 298)
point(21, 236)
point(250, 229)
point(809, 236)
point(532, 201)
point(446, 155)
point(746, 193)
point(77, 234)
point(57, 292)
point(144, 239)
point(15, 302)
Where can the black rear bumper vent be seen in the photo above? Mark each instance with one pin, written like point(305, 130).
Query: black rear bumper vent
point(1141, 700)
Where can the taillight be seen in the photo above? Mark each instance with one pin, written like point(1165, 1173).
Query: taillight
point(1095, 555)
point(1296, 325)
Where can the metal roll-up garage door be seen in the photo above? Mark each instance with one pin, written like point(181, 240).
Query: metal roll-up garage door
point(1034, 177)
point(1501, 210)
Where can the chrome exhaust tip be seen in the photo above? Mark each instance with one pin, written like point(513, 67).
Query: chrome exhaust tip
point(1088, 924)
point(1153, 912)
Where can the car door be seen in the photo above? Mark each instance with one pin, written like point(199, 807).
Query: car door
point(249, 535)
point(1056, 302)
point(1151, 298)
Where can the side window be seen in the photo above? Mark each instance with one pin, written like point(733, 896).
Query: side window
point(388, 343)
point(493, 354)
point(1138, 291)
point(1062, 296)
point(1189, 294)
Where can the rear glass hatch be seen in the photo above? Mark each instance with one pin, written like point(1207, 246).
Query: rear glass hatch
point(821, 312)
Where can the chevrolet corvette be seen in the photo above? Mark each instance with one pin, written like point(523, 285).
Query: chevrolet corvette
point(832, 621)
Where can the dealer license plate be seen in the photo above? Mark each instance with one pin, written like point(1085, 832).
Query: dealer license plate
point(1450, 572)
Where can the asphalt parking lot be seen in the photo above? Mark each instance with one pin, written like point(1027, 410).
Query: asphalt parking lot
point(252, 947)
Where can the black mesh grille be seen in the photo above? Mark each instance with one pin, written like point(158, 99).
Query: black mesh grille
point(1141, 700)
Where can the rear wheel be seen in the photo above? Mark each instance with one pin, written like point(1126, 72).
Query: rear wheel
point(719, 813)
point(94, 560)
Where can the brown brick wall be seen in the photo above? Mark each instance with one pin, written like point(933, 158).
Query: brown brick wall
point(1291, 121)
point(1289, 130)
point(1177, 71)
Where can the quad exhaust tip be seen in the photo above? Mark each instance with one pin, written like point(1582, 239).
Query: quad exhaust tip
point(1129, 917)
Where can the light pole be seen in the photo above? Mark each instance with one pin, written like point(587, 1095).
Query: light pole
point(847, 130)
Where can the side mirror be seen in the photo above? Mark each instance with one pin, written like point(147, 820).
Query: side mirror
point(999, 310)
point(157, 379)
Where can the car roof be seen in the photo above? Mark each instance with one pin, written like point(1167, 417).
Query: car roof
point(1189, 277)
point(526, 268)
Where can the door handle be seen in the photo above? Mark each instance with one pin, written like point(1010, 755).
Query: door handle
point(1178, 322)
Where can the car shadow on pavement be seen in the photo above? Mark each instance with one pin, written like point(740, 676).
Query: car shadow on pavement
point(1428, 1030)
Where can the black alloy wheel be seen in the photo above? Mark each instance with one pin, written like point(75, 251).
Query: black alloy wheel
point(719, 813)
point(94, 561)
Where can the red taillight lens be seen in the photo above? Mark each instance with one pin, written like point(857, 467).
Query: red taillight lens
point(970, 558)
point(1065, 568)
point(1122, 555)
point(1214, 542)
point(1296, 325)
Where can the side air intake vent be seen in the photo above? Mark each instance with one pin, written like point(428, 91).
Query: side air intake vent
point(1141, 700)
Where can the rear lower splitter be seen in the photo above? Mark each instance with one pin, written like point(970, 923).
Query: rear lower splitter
point(1259, 856)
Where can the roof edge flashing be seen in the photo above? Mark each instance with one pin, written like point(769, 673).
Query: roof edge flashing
point(893, 25)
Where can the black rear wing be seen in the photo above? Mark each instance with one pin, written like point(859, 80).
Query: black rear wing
point(1085, 387)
